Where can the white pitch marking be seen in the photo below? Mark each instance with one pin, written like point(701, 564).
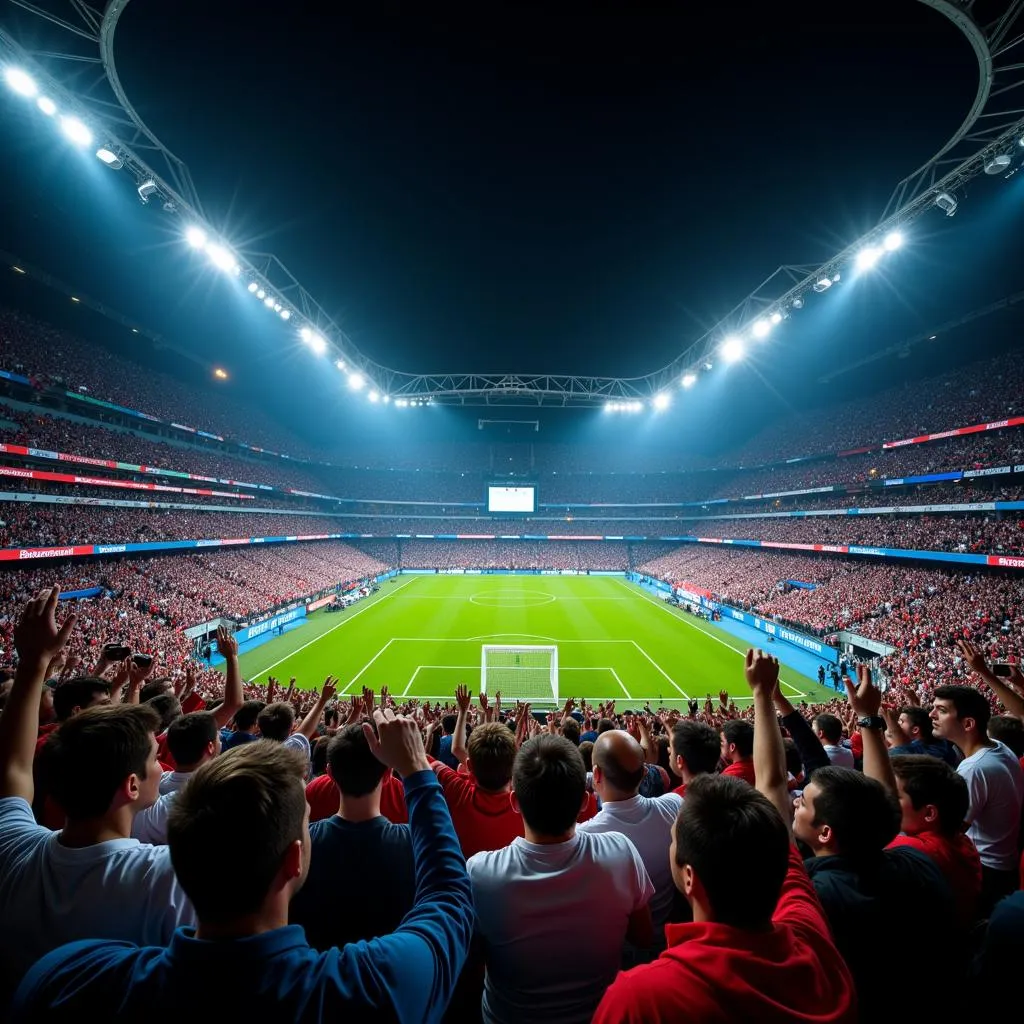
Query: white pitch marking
point(344, 622)
point(619, 681)
point(412, 679)
point(659, 668)
point(365, 667)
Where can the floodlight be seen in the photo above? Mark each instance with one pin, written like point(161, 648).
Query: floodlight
point(401, 403)
point(776, 318)
point(46, 105)
point(305, 333)
point(868, 257)
point(386, 399)
point(732, 349)
point(947, 203)
point(317, 344)
point(277, 307)
point(662, 401)
point(761, 328)
point(893, 241)
point(21, 82)
point(356, 381)
point(373, 396)
point(220, 374)
point(998, 163)
point(822, 284)
point(609, 406)
point(286, 314)
point(253, 287)
point(708, 365)
point(339, 363)
point(798, 302)
point(196, 237)
point(689, 379)
point(147, 190)
point(220, 257)
point(269, 301)
point(110, 158)
point(636, 406)
point(260, 294)
point(77, 132)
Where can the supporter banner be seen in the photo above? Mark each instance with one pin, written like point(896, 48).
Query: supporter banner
point(248, 632)
point(322, 603)
point(70, 595)
point(102, 481)
point(418, 572)
point(27, 554)
point(928, 478)
point(786, 634)
point(1006, 561)
point(452, 572)
point(16, 377)
point(607, 572)
point(801, 585)
point(1014, 421)
point(993, 471)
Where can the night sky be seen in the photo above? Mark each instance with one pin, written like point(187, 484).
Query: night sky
point(528, 187)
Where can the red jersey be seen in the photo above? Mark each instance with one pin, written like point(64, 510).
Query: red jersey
point(741, 770)
point(718, 974)
point(483, 820)
point(958, 861)
point(324, 799)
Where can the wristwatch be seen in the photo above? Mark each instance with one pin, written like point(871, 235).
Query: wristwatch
point(871, 722)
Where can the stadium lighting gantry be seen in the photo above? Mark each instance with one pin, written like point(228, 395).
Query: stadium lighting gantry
point(110, 158)
point(662, 401)
point(689, 379)
point(868, 257)
point(732, 349)
point(893, 241)
point(313, 340)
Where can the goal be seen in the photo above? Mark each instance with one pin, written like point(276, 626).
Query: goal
point(520, 673)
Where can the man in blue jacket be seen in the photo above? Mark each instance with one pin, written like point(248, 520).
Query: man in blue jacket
point(239, 841)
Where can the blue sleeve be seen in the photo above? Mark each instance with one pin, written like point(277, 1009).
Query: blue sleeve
point(414, 970)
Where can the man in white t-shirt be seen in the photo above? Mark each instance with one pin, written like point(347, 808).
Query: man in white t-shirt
point(995, 784)
point(90, 880)
point(619, 768)
point(555, 908)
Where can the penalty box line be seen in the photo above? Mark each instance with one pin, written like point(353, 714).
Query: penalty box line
point(476, 668)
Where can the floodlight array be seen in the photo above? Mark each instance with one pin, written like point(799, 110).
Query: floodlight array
point(633, 405)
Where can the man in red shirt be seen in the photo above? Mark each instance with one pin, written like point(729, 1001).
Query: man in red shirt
point(693, 749)
point(759, 947)
point(737, 749)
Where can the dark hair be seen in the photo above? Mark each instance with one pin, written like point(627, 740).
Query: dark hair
point(448, 724)
point(235, 818)
point(830, 727)
point(741, 733)
point(919, 718)
point(863, 815)
point(697, 744)
point(168, 707)
point(794, 763)
point(549, 781)
point(492, 751)
point(969, 703)
point(571, 731)
point(1008, 730)
point(928, 780)
point(318, 756)
point(276, 721)
point(604, 725)
point(247, 714)
point(189, 736)
point(586, 749)
point(354, 769)
point(155, 688)
point(721, 821)
point(87, 758)
point(77, 693)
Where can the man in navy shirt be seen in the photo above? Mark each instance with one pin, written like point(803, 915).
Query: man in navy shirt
point(239, 842)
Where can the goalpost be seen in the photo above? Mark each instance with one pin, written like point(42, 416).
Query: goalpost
point(520, 672)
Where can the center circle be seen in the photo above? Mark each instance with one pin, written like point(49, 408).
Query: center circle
point(511, 598)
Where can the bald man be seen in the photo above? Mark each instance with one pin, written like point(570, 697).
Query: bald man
point(647, 822)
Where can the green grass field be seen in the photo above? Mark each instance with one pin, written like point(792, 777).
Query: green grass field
point(422, 635)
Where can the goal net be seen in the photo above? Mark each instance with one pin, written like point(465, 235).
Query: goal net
point(520, 673)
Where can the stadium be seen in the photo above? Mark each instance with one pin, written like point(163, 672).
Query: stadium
point(484, 689)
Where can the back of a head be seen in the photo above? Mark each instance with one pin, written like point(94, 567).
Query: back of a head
point(77, 693)
point(1008, 730)
point(919, 717)
point(969, 703)
point(604, 725)
point(571, 731)
point(87, 759)
point(356, 772)
point(492, 752)
point(697, 744)
point(621, 761)
point(929, 780)
point(863, 815)
point(155, 688)
point(448, 724)
point(740, 732)
point(189, 736)
point(830, 727)
point(235, 819)
point(167, 706)
point(721, 821)
point(586, 749)
point(247, 714)
point(549, 782)
point(276, 721)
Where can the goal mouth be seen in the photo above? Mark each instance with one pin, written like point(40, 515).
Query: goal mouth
point(520, 671)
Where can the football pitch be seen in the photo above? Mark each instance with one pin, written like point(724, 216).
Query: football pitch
point(422, 635)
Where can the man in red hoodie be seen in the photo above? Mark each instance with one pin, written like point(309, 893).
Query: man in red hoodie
point(759, 947)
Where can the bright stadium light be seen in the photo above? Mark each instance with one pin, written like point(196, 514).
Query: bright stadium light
point(401, 403)
point(196, 237)
point(269, 301)
point(356, 381)
point(316, 343)
point(868, 257)
point(761, 329)
point(689, 379)
point(253, 287)
point(221, 258)
point(260, 293)
point(340, 364)
point(385, 399)
point(893, 241)
point(662, 401)
point(286, 314)
point(77, 132)
point(46, 105)
point(776, 318)
point(732, 349)
point(20, 82)
point(277, 307)
point(822, 284)
point(110, 158)
point(373, 396)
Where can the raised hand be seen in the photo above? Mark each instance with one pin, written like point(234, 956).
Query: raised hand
point(723, 698)
point(227, 645)
point(329, 690)
point(368, 702)
point(37, 637)
point(975, 659)
point(865, 697)
point(463, 698)
point(397, 743)
point(762, 672)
